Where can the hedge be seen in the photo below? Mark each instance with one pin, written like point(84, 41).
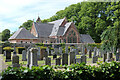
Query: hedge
point(106, 71)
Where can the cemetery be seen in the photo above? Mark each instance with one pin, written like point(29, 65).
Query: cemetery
point(79, 42)
point(57, 58)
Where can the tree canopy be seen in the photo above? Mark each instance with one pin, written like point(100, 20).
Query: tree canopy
point(27, 25)
point(5, 35)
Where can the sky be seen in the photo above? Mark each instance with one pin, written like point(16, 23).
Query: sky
point(15, 12)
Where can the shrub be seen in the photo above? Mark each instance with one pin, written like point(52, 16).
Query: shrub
point(106, 71)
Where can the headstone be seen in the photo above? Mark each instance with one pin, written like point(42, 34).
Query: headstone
point(83, 59)
point(52, 52)
point(58, 61)
point(72, 58)
point(101, 53)
point(48, 61)
point(64, 59)
point(76, 52)
point(104, 57)
point(4, 53)
point(90, 53)
point(46, 54)
point(71, 49)
point(24, 53)
point(38, 53)
point(117, 55)
point(0, 49)
point(56, 50)
point(28, 58)
point(98, 53)
point(47, 49)
point(66, 49)
point(33, 57)
point(54, 56)
point(83, 50)
point(42, 51)
point(8, 56)
point(15, 61)
point(60, 50)
point(108, 57)
point(95, 57)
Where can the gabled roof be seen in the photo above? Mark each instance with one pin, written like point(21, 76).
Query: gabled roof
point(57, 24)
point(86, 38)
point(43, 29)
point(22, 33)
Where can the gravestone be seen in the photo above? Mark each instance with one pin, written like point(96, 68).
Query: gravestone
point(108, 57)
point(90, 53)
point(4, 53)
point(117, 55)
point(24, 53)
point(48, 61)
point(28, 58)
point(15, 61)
point(83, 59)
point(0, 49)
point(54, 56)
point(95, 57)
point(71, 49)
point(98, 53)
point(60, 50)
point(45, 54)
point(76, 52)
point(104, 57)
point(8, 56)
point(47, 49)
point(72, 58)
point(38, 53)
point(58, 61)
point(42, 51)
point(101, 53)
point(33, 57)
point(66, 49)
point(51, 52)
point(64, 59)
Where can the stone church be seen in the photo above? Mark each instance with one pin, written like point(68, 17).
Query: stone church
point(59, 31)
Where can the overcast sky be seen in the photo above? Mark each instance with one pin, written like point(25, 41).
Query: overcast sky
point(14, 12)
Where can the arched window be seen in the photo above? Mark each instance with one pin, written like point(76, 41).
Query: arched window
point(72, 38)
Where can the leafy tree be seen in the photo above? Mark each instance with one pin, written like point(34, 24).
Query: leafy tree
point(5, 35)
point(113, 12)
point(27, 25)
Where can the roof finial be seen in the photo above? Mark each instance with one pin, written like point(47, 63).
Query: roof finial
point(38, 20)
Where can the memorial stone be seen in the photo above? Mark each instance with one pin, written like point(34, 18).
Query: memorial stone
point(15, 61)
point(24, 53)
point(72, 58)
point(48, 61)
point(64, 59)
point(58, 61)
point(8, 56)
point(33, 57)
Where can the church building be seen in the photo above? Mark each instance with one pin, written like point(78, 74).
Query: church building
point(59, 31)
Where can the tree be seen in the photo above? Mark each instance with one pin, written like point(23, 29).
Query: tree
point(5, 35)
point(113, 38)
point(27, 25)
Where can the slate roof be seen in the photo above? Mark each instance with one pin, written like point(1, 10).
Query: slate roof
point(43, 29)
point(22, 33)
point(86, 38)
point(56, 31)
